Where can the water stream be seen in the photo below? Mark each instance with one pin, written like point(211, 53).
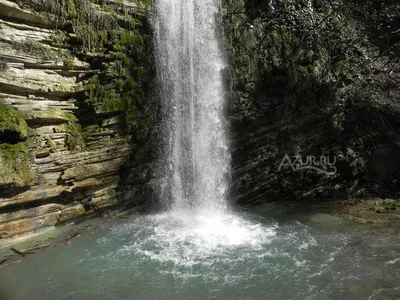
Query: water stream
point(264, 254)
point(189, 65)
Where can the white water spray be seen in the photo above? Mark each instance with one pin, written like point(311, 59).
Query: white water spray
point(197, 223)
point(189, 65)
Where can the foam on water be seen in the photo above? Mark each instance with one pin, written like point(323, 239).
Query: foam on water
point(210, 255)
point(187, 237)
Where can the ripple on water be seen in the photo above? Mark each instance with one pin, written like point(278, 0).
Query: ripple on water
point(187, 238)
point(208, 254)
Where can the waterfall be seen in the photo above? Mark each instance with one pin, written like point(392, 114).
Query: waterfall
point(189, 63)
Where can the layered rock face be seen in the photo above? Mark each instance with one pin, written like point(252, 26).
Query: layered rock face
point(71, 145)
point(314, 79)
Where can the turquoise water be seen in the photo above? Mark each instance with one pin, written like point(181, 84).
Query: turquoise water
point(205, 255)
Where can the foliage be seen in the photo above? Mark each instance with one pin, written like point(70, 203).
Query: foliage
point(58, 38)
point(120, 81)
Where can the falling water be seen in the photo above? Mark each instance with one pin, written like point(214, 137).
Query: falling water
point(197, 223)
point(189, 64)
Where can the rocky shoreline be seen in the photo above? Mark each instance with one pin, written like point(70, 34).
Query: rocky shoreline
point(385, 212)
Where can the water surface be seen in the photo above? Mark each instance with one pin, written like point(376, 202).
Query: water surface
point(206, 255)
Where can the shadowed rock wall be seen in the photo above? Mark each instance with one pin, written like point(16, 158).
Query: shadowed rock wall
point(314, 78)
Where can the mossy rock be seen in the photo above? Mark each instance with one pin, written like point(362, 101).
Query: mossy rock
point(15, 168)
point(42, 51)
point(12, 121)
point(50, 116)
point(75, 139)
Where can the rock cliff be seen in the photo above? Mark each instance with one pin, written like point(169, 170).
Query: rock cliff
point(314, 79)
point(74, 120)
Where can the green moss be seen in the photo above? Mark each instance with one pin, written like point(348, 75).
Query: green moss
point(307, 69)
point(143, 3)
point(39, 50)
point(285, 33)
point(11, 152)
point(69, 63)
point(58, 38)
point(71, 117)
point(14, 158)
point(122, 57)
point(71, 8)
point(15, 169)
point(105, 97)
point(74, 140)
point(119, 87)
point(134, 22)
point(34, 48)
point(12, 120)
